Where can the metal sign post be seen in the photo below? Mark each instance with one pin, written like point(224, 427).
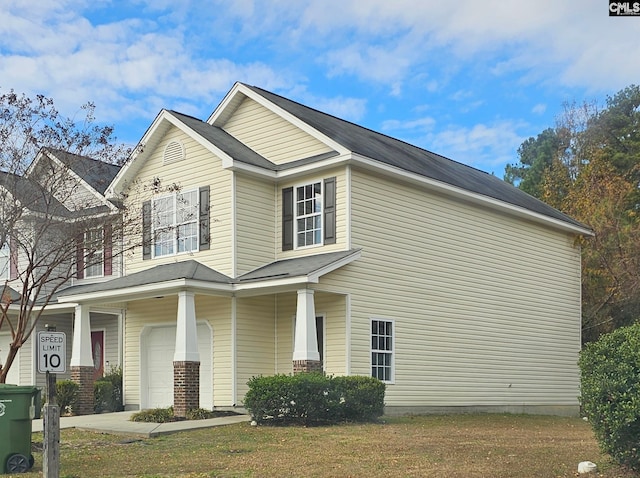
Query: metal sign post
point(52, 359)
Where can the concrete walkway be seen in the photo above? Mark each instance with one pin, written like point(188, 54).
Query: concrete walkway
point(119, 423)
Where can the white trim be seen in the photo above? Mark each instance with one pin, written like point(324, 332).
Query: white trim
point(173, 227)
point(348, 204)
point(79, 179)
point(234, 225)
point(393, 347)
point(296, 217)
point(204, 287)
point(164, 119)
point(456, 191)
point(239, 88)
point(104, 348)
point(347, 331)
point(234, 351)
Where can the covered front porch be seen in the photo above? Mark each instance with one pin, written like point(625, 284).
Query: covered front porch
point(193, 337)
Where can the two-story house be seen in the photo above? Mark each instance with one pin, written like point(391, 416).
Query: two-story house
point(55, 235)
point(283, 239)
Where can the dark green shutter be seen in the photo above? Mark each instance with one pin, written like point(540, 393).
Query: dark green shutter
point(330, 210)
point(204, 238)
point(146, 230)
point(287, 219)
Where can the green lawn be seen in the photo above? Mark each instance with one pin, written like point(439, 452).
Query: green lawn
point(422, 446)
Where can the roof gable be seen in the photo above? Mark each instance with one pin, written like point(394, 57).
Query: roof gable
point(270, 134)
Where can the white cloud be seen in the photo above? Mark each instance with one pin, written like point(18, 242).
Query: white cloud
point(486, 146)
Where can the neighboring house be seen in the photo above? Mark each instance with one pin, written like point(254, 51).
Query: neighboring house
point(282, 239)
point(59, 194)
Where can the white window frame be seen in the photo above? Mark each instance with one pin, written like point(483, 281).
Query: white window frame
point(317, 214)
point(170, 229)
point(91, 264)
point(5, 261)
point(377, 350)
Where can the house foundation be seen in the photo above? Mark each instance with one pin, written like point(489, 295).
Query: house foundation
point(186, 387)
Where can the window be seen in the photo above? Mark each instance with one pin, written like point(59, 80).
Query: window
point(4, 261)
point(175, 223)
point(94, 253)
point(309, 214)
point(382, 350)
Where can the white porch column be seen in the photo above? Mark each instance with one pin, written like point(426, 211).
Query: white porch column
point(306, 341)
point(81, 355)
point(186, 334)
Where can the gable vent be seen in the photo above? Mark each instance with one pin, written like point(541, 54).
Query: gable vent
point(173, 152)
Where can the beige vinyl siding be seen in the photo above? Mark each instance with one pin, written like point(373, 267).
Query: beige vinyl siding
point(286, 313)
point(486, 307)
point(217, 311)
point(270, 135)
point(333, 308)
point(341, 215)
point(255, 335)
point(163, 311)
point(108, 323)
point(199, 168)
point(255, 225)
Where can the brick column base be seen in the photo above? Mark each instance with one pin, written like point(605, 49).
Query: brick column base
point(83, 376)
point(300, 366)
point(186, 387)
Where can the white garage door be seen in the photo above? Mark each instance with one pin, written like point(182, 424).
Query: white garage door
point(158, 346)
point(14, 375)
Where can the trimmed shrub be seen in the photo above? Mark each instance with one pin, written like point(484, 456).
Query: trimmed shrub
point(362, 397)
point(314, 398)
point(610, 392)
point(108, 392)
point(67, 395)
point(154, 415)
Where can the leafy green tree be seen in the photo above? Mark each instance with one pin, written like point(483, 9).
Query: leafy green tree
point(536, 157)
point(588, 166)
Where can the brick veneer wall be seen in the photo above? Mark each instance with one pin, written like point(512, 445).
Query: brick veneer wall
point(83, 376)
point(300, 366)
point(186, 387)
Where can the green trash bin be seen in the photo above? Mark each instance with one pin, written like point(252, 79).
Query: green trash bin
point(18, 406)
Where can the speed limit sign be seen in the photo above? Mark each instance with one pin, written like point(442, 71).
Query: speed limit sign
point(52, 352)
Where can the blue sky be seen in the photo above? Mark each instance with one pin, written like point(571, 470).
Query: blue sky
point(470, 79)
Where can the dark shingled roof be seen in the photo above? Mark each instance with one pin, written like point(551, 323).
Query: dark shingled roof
point(97, 174)
point(190, 269)
point(411, 158)
point(32, 196)
point(225, 141)
point(194, 270)
point(299, 266)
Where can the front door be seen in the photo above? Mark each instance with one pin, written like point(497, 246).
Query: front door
point(97, 349)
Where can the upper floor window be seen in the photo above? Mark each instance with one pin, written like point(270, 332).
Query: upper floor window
point(94, 253)
point(176, 224)
point(5, 261)
point(309, 214)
